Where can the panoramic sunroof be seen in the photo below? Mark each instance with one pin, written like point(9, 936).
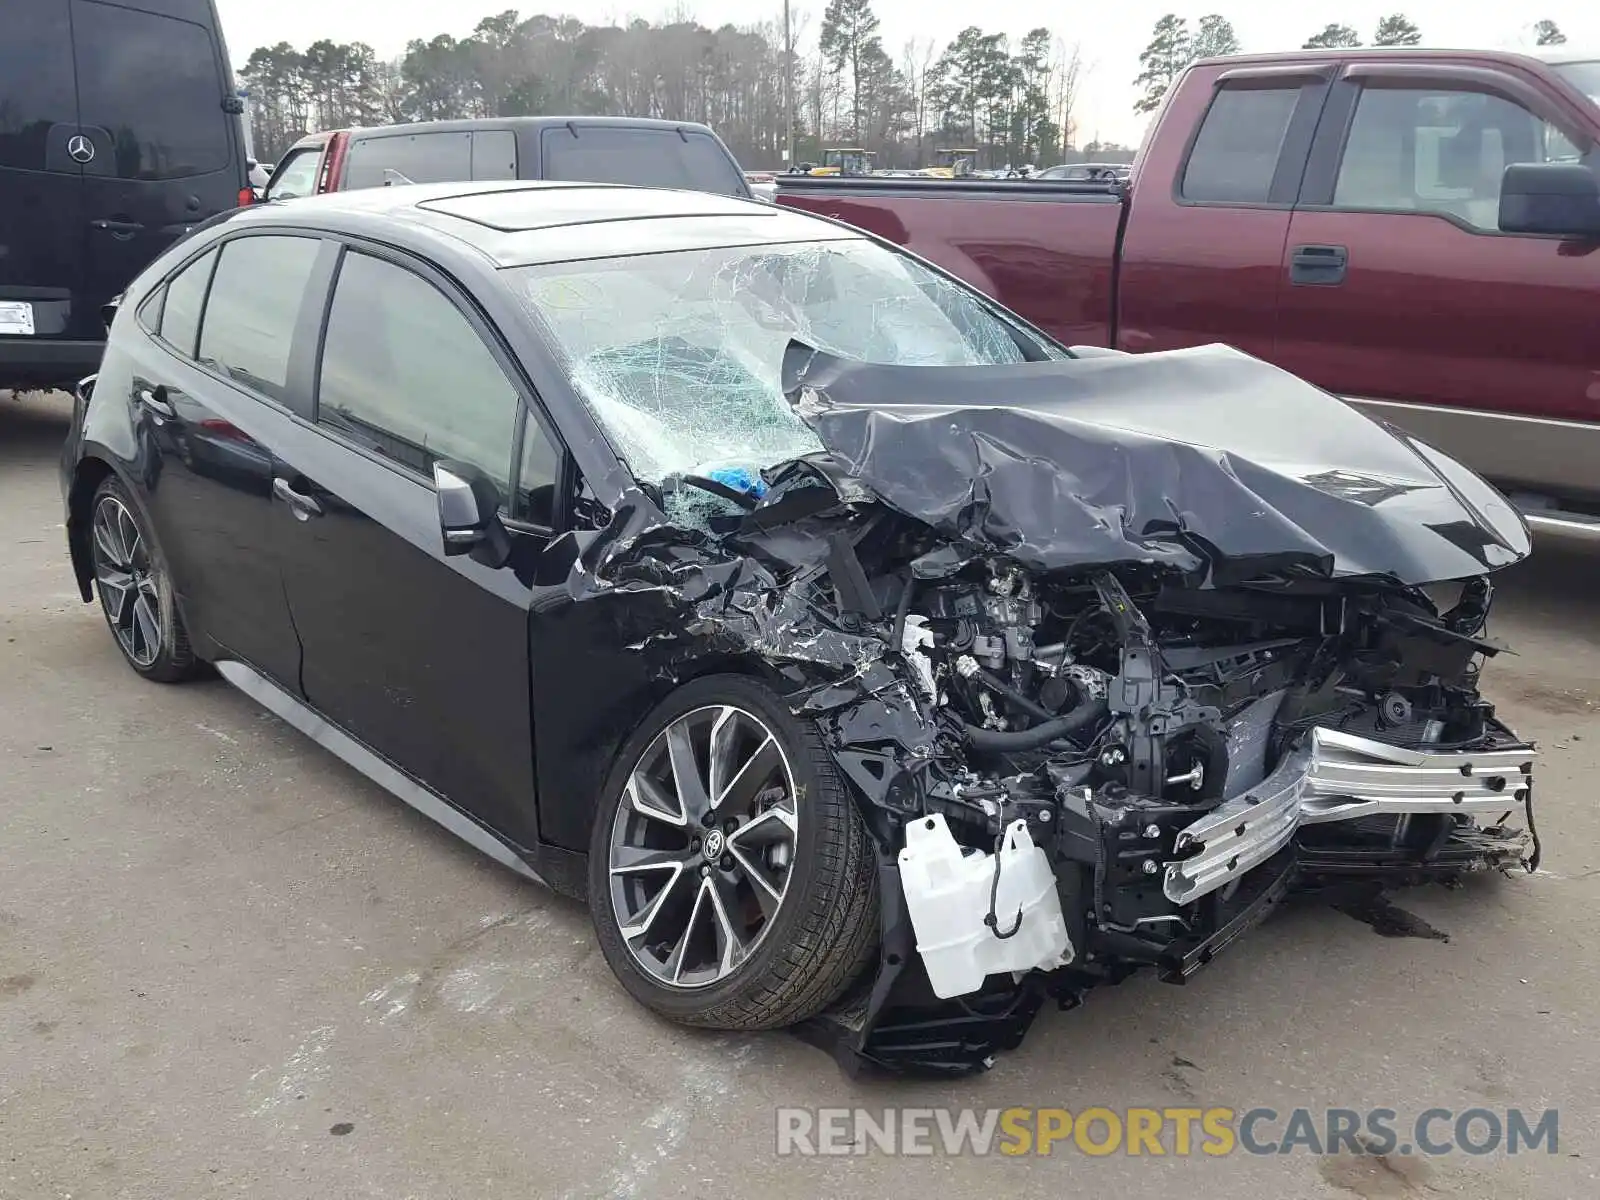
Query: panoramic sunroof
point(543, 208)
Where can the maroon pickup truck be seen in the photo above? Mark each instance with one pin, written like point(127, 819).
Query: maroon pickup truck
point(1416, 231)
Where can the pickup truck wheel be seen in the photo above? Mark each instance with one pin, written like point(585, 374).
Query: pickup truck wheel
point(731, 880)
point(135, 589)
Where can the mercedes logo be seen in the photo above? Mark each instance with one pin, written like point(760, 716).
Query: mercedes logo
point(80, 148)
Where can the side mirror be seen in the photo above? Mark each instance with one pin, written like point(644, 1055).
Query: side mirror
point(469, 514)
point(1555, 198)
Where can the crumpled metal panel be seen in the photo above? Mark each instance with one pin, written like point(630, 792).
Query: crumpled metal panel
point(1205, 460)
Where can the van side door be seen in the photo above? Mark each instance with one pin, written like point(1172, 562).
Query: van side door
point(1402, 293)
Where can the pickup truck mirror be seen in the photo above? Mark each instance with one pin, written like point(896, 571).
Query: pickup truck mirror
point(1561, 198)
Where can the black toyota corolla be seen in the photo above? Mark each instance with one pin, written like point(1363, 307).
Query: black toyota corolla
point(869, 662)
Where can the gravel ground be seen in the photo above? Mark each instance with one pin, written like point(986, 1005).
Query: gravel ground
point(229, 965)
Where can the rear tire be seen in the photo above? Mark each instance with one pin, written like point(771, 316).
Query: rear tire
point(731, 879)
point(135, 588)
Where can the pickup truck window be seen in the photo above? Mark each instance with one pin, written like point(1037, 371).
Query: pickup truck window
point(641, 157)
point(296, 175)
point(1440, 152)
point(444, 157)
point(1236, 150)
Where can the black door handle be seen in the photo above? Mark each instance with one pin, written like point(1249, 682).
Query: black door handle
point(1318, 264)
point(303, 506)
point(114, 226)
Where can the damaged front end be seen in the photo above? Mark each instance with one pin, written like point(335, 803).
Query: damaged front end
point(1105, 695)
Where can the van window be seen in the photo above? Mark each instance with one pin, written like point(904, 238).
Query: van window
point(642, 157)
point(173, 131)
point(255, 301)
point(1236, 152)
point(418, 157)
point(36, 90)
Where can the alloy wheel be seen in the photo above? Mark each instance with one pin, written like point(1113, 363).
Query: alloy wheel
point(703, 846)
point(129, 581)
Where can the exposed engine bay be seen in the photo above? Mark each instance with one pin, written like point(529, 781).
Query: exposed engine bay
point(1104, 726)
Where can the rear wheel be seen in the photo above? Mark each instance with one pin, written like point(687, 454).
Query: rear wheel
point(731, 879)
point(135, 588)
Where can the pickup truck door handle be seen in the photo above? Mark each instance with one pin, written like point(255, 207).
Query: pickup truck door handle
point(1318, 265)
point(303, 506)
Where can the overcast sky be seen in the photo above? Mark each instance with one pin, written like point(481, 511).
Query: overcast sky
point(1111, 36)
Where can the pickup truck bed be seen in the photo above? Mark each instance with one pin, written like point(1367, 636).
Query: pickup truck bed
point(1339, 214)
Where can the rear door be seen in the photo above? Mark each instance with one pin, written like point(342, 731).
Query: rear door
point(1482, 342)
point(226, 372)
point(1200, 261)
point(152, 91)
point(41, 184)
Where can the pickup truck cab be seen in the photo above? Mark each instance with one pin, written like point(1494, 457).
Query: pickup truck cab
point(626, 150)
point(1416, 231)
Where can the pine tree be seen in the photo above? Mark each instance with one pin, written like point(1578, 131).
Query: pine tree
point(1333, 37)
point(1396, 30)
point(1171, 49)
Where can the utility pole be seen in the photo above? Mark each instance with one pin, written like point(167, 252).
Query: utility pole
point(788, 88)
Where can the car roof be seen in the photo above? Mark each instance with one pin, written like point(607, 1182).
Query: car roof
point(1545, 54)
point(526, 222)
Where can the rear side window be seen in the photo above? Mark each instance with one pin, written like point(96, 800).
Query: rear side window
point(641, 157)
point(296, 175)
point(36, 93)
point(494, 154)
point(255, 301)
point(186, 296)
point(1236, 153)
point(417, 157)
point(406, 375)
point(142, 131)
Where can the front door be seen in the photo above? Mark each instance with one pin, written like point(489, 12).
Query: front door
point(41, 182)
point(165, 154)
point(421, 657)
point(1426, 314)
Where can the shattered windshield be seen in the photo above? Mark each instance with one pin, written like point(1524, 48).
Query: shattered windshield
point(679, 355)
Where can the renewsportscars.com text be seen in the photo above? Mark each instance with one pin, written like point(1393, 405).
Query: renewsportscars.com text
point(1215, 1132)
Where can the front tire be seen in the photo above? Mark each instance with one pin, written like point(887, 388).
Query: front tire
point(731, 879)
point(135, 589)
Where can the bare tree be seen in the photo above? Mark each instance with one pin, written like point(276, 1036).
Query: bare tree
point(1070, 73)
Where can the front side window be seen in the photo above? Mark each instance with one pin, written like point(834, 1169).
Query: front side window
point(1236, 151)
point(1440, 152)
point(680, 355)
point(405, 374)
point(256, 294)
point(296, 175)
point(171, 131)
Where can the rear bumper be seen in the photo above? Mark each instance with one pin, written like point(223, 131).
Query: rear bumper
point(47, 362)
point(1342, 777)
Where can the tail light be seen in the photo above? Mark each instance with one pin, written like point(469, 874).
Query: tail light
point(247, 197)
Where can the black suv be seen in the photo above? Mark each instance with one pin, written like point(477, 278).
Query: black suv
point(118, 132)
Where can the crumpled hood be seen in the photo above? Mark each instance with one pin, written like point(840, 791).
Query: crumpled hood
point(1205, 460)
